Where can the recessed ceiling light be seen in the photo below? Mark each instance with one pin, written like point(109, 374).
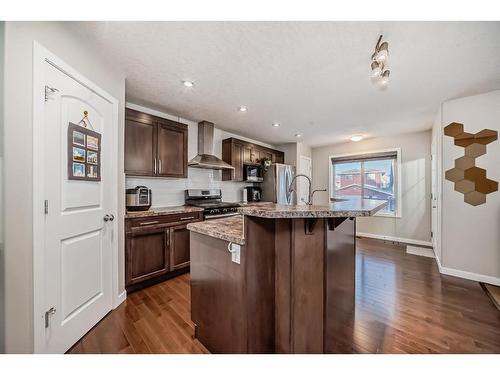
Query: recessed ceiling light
point(276, 124)
point(298, 135)
point(242, 108)
point(356, 138)
point(188, 83)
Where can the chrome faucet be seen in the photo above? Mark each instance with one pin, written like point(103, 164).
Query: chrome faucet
point(311, 193)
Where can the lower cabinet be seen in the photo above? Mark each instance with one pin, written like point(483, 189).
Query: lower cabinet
point(179, 251)
point(148, 255)
point(156, 249)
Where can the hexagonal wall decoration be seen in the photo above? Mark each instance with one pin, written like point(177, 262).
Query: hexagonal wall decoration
point(468, 179)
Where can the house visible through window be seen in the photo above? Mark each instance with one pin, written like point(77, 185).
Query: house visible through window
point(371, 176)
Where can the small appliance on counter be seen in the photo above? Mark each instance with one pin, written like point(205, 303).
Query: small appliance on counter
point(252, 173)
point(254, 193)
point(138, 198)
point(245, 195)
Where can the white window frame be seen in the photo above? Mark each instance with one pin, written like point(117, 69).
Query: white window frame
point(399, 177)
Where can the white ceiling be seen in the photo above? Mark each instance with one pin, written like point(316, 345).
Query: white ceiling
point(312, 77)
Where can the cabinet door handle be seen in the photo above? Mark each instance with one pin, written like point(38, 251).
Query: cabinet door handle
point(167, 238)
point(155, 166)
point(149, 222)
point(159, 165)
point(188, 218)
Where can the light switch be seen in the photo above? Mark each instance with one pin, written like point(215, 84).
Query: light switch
point(235, 253)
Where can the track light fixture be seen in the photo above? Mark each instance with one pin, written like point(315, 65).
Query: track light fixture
point(379, 74)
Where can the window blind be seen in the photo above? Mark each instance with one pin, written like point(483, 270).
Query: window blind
point(364, 157)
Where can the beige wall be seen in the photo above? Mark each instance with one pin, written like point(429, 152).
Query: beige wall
point(470, 235)
point(293, 152)
point(415, 223)
point(80, 54)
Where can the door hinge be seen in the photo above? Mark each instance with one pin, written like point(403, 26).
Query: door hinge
point(432, 234)
point(46, 206)
point(48, 313)
point(49, 91)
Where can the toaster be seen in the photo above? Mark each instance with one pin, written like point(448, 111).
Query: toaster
point(138, 198)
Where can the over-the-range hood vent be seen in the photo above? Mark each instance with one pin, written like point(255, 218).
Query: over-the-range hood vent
point(206, 158)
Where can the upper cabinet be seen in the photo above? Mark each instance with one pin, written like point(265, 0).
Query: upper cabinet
point(154, 146)
point(238, 152)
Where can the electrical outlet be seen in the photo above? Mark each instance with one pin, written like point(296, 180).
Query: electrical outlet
point(235, 254)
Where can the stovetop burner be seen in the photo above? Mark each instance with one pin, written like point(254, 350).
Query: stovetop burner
point(211, 201)
point(212, 204)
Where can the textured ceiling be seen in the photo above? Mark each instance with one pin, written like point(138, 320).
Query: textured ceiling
point(312, 77)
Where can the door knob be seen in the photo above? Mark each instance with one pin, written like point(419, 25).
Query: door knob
point(111, 217)
point(107, 217)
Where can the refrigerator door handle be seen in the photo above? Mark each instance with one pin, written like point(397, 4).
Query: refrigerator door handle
point(287, 187)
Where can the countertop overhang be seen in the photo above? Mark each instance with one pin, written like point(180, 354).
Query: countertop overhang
point(227, 228)
point(232, 228)
point(347, 208)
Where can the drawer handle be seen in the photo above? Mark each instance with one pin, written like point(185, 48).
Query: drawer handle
point(149, 222)
point(188, 218)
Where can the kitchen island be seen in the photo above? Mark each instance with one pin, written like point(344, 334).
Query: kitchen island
point(277, 279)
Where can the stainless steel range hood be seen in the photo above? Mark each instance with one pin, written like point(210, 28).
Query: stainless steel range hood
point(206, 158)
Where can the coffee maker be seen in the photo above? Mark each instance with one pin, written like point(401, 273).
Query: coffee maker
point(254, 193)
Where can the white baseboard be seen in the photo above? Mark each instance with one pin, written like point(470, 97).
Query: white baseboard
point(470, 275)
point(420, 251)
point(408, 241)
point(467, 275)
point(121, 298)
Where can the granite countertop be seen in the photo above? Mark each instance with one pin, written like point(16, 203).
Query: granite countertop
point(347, 208)
point(157, 211)
point(227, 228)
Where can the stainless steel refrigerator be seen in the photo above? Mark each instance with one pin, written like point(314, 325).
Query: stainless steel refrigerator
point(276, 183)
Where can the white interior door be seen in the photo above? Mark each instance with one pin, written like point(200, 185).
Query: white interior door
point(78, 242)
point(435, 199)
point(305, 167)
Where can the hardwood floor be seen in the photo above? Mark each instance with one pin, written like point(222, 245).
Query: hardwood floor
point(403, 305)
point(152, 320)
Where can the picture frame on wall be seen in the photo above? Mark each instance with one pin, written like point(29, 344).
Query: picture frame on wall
point(84, 153)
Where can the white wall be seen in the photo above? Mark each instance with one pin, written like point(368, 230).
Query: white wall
point(471, 234)
point(293, 152)
point(81, 55)
point(415, 223)
point(170, 192)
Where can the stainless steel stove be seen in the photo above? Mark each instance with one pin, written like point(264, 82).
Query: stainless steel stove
point(211, 202)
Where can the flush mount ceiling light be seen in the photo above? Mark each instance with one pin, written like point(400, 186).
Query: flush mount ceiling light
point(356, 138)
point(276, 124)
point(188, 83)
point(379, 74)
point(242, 108)
point(298, 135)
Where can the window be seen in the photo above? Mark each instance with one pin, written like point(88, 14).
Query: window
point(372, 175)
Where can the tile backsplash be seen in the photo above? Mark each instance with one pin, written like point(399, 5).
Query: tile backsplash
point(170, 192)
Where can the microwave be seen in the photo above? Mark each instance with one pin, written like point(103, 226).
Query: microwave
point(252, 173)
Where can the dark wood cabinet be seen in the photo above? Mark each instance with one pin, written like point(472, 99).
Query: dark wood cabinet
point(139, 144)
point(278, 158)
point(156, 247)
point(179, 250)
point(154, 146)
point(148, 254)
point(238, 153)
point(172, 150)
